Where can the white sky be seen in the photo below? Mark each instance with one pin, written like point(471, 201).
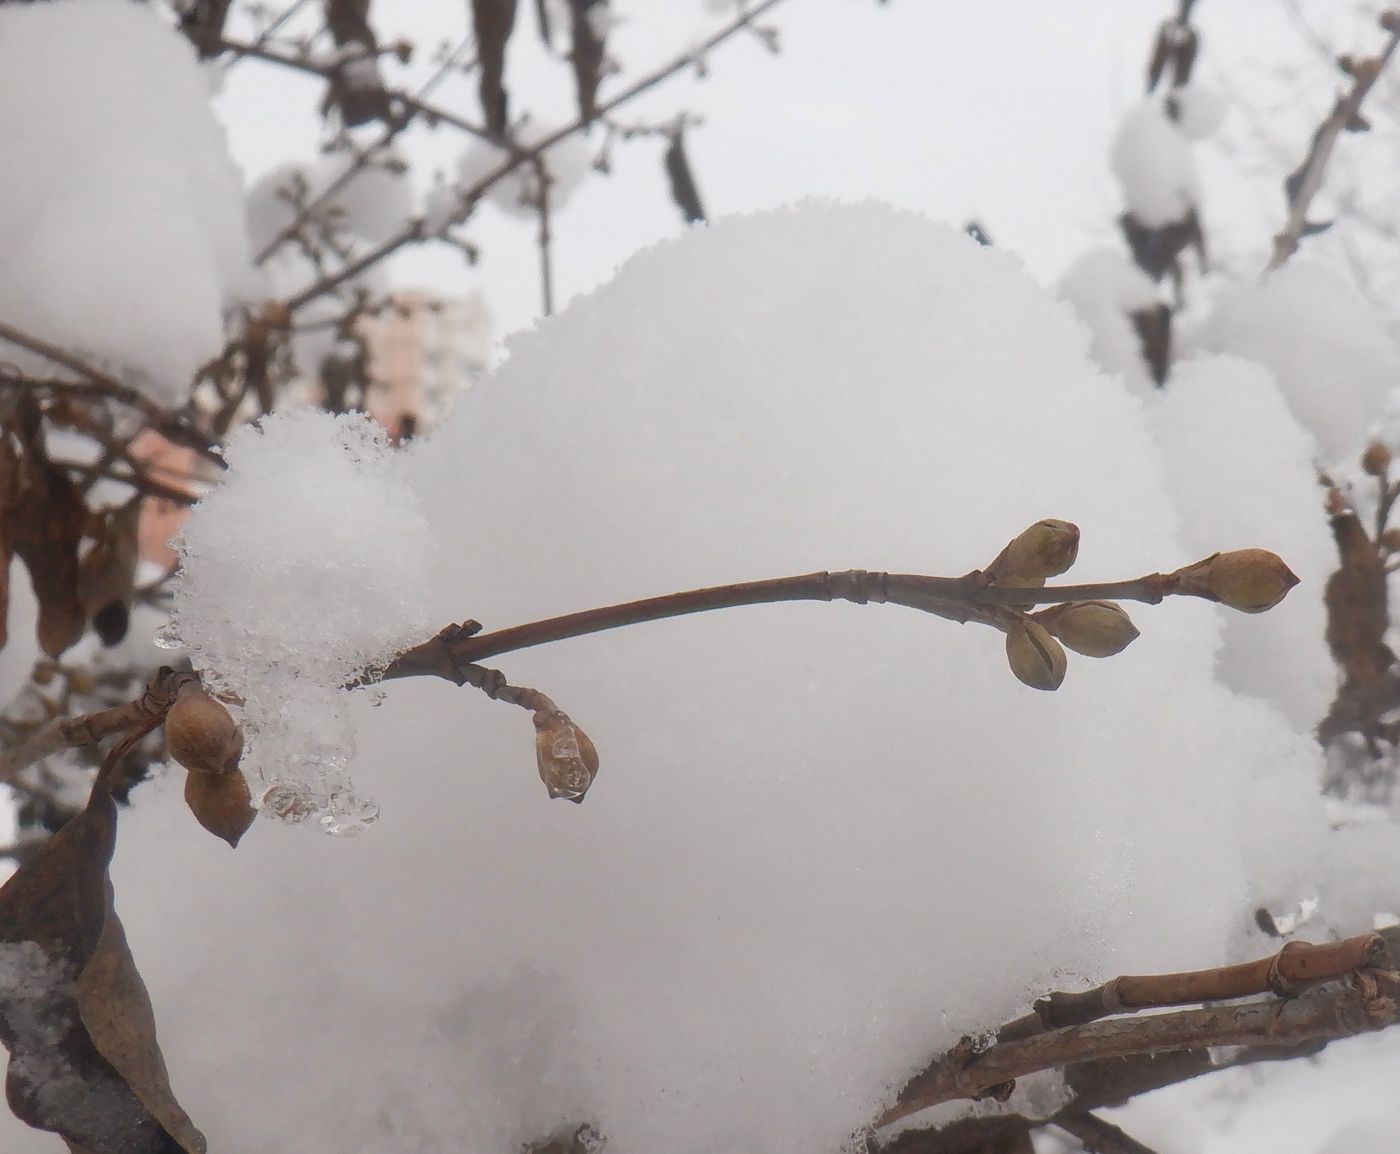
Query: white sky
point(1001, 110)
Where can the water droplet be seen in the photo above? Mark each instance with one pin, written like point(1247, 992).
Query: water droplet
point(349, 814)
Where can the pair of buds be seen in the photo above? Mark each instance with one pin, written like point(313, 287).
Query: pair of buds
point(201, 735)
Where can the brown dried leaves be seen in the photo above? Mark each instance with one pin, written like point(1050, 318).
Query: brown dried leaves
point(74, 1013)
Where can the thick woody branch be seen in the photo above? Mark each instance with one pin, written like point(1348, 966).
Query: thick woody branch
point(1064, 1031)
point(1333, 1012)
point(91, 728)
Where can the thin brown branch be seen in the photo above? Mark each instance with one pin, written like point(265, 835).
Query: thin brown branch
point(99, 385)
point(90, 728)
point(544, 239)
point(415, 230)
point(1305, 182)
point(960, 599)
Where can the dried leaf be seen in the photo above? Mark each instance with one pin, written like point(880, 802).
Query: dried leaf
point(493, 21)
point(544, 23)
point(587, 54)
point(203, 22)
point(220, 803)
point(74, 1013)
point(682, 180)
point(355, 88)
point(45, 518)
point(107, 574)
point(1154, 329)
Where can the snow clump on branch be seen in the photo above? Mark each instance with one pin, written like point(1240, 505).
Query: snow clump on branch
point(121, 216)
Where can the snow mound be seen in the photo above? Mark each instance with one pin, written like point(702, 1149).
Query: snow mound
point(827, 840)
point(121, 215)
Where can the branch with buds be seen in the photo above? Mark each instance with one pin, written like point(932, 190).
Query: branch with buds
point(1085, 618)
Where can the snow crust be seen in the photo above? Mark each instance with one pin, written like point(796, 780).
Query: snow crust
point(121, 214)
point(827, 840)
point(1324, 345)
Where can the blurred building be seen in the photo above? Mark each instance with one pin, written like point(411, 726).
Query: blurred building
point(422, 350)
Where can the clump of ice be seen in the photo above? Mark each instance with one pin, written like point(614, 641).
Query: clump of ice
point(1323, 343)
point(827, 840)
point(1241, 472)
point(121, 214)
point(1153, 163)
point(304, 569)
point(1105, 288)
point(565, 163)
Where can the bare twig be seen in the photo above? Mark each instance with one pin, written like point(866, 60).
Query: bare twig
point(960, 599)
point(415, 231)
point(88, 729)
point(1303, 185)
point(546, 269)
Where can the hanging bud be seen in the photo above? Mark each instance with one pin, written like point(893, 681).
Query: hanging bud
point(1093, 628)
point(1036, 658)
point(201, 735)
point(567, 759)
point(1250, 580)
point(220, 803)
point(1046, 549)
point(1390, 19)
point(1376, 459)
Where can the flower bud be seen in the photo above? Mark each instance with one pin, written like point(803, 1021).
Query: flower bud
point(1390, 540)
point(200, 733)
point(567, 759)
point(1093, 628)
point(1046, 549)
point(1390, 19)
point(1376, 459)
point(1035, 657)
point(1250, 580)
point(221, 803)
point(1366, 69)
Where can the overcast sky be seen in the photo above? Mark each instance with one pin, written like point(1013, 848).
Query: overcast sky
point(1001, 110)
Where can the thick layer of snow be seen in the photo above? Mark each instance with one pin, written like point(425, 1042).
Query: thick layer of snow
point(827, 840)
point(1105, 287)
point(1324, 345)
point(1153, 163)
point(1240, 470)
point(121, 216)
